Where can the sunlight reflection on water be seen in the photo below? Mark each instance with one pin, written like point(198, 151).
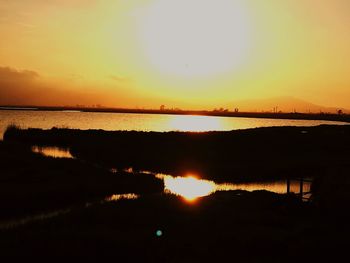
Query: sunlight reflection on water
point(191, 187)
point(139, 122)
point(188, 187)
point(118, 197)
point(196, 123)
point(50, 151)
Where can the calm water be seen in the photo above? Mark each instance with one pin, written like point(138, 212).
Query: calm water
point(138, 122)
point(56, 152)
point(189, 186)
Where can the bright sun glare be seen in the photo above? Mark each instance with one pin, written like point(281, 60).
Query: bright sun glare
point(195, 123)
point(188, 187)
point(192, 38)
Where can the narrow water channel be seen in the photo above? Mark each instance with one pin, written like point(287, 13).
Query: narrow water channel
point(190, 186)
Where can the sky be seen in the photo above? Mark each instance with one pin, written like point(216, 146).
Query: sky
point(192, 54)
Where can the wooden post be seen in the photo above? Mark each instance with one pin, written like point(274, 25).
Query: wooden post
point(301, 187)
point(288, 185)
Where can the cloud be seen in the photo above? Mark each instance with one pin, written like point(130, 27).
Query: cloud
point(8, 74)
point(27, 87)
point(118, 78)
point(17, 86)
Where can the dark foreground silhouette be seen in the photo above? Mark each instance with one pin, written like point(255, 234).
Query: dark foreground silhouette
point(231, 226)
point(243, 155)
point(33, 183)
point(235, 226)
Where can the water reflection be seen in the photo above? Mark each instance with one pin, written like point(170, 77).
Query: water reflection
point(191, 187)
point(196, 123)
point(29, 219)
point(139, 122)
point(279, 186)
point(49, 151)
point(188, 187)
point(121, 197)
point(42, 216)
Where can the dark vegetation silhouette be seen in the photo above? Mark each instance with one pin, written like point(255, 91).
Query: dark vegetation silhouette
point(240, 226)
point(31, 183)
point(242, 155)
point(228, 226)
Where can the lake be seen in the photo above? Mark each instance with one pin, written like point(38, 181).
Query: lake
point(139, 122)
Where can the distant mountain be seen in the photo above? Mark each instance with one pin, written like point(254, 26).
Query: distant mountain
point(284, 104)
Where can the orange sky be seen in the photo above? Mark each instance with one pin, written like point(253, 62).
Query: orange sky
point(182, 53)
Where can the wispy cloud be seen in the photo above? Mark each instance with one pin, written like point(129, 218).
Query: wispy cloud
point(27, 87)
point(118, 78)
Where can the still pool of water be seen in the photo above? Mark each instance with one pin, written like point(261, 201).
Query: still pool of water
point(190, 187)
point(138, 122)
point(118, 197)
point(55, 152)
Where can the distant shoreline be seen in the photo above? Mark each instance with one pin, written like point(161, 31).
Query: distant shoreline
point(265, 115)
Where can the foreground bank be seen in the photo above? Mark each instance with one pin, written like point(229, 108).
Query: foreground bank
point(234, 226)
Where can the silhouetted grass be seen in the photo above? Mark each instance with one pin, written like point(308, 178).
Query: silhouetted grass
point(243, 155)
point(228, 226)
point(30, 182)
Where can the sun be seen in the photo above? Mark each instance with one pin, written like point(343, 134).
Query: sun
point(192, 38)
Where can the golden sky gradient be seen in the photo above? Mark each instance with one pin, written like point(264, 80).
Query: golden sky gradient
point(182, 53)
